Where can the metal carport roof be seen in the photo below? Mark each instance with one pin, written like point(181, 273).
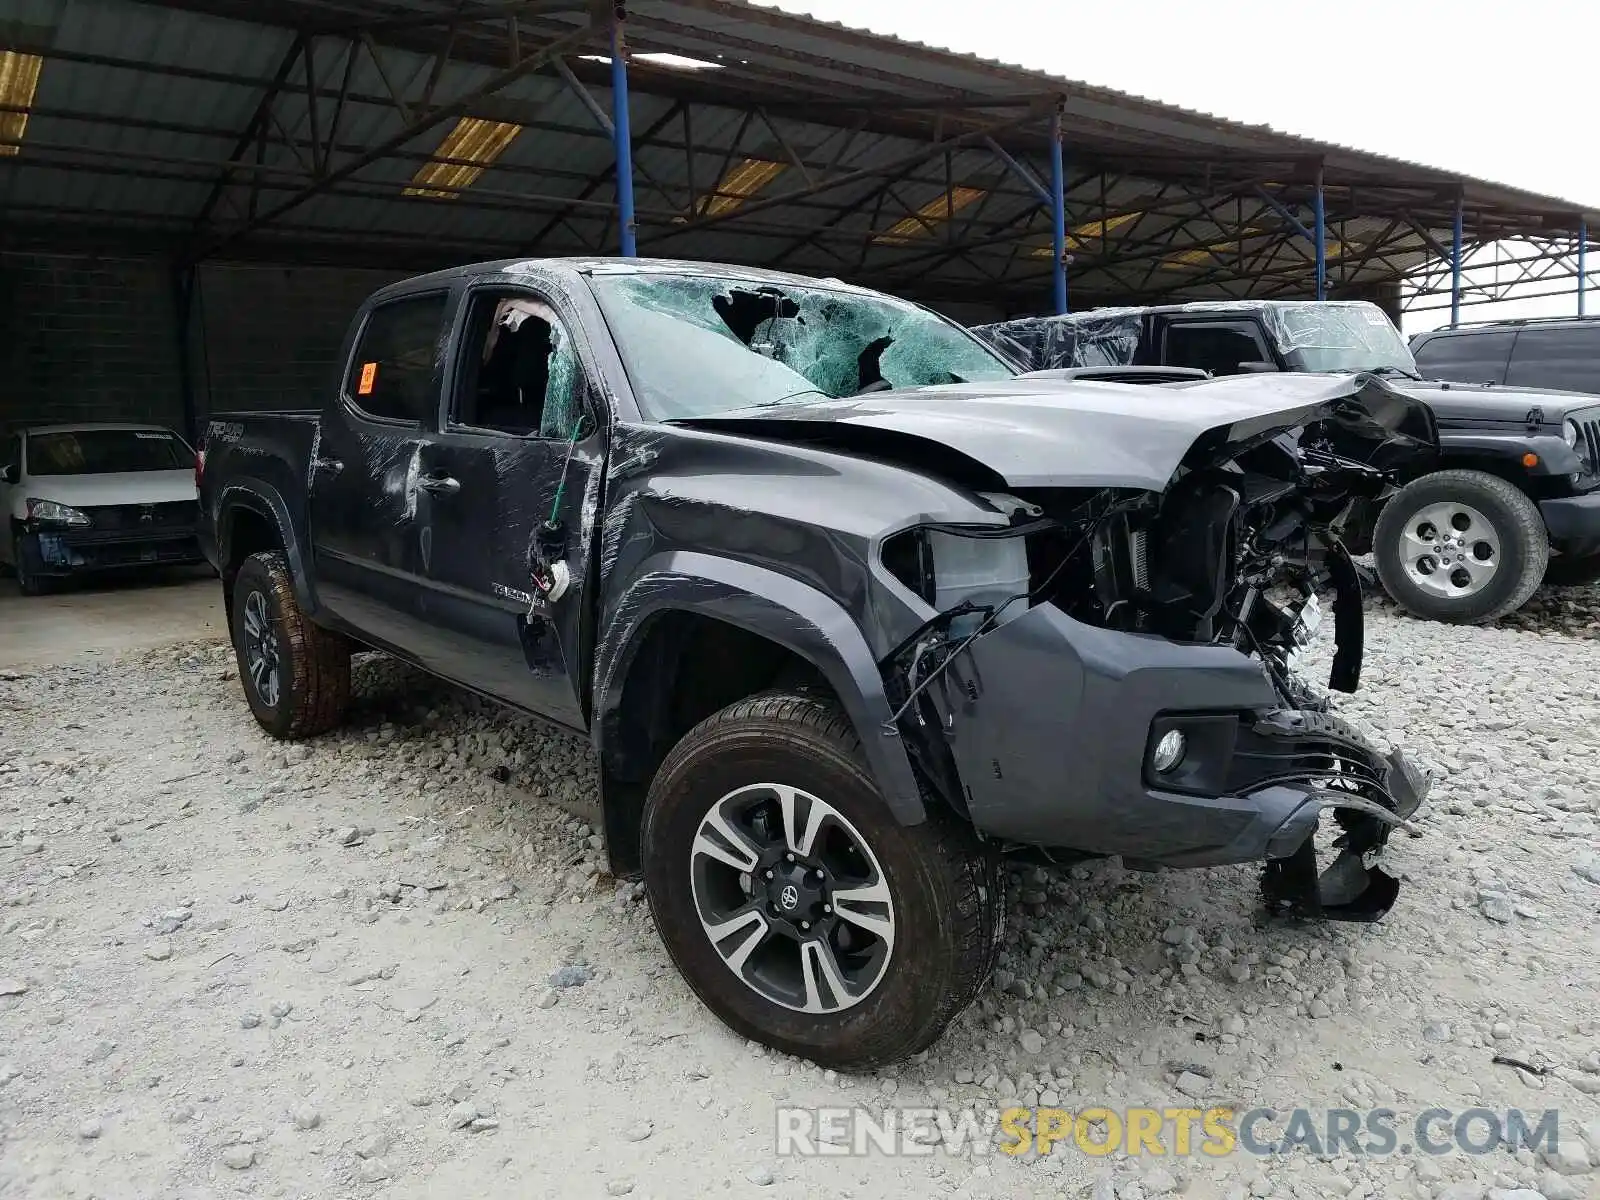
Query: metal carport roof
point(290, 131)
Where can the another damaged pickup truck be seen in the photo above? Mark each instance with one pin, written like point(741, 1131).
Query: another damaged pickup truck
point(849, 612)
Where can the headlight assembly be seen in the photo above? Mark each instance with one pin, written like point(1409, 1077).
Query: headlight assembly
point(49, 512)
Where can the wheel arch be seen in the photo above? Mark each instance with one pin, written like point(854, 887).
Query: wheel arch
point(251, 517)
point(1501, 454)
point(1503, 461)
point(806, 633)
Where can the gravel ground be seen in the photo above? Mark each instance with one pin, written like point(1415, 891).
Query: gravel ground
point(390, 963)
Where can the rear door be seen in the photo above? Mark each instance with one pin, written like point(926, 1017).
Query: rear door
point(1209, 344)
point(1557, 356)
point(1469, 356)
point(517, 463)
point(365, 475)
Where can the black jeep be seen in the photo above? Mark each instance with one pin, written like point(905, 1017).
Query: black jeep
point(1515, 494)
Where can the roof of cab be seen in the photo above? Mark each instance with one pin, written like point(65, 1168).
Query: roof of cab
point(611, 266)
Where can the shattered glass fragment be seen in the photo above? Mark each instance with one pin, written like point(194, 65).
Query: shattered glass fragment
point(694, 345)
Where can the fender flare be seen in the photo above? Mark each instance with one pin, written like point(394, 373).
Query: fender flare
point(1508, 446)
point(784, 610)
point(261, 498)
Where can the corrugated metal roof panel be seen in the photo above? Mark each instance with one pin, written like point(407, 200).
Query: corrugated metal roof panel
point(158, 137)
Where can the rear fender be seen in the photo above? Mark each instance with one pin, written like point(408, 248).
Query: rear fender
point(774, 606)
point(258, 496)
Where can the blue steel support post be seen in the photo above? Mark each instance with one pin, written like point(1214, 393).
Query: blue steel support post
point(1583, 263)
point(1455, 268)
point(1319, 213)
point(1058, 210)
point(623, 139)
point(1029, 179)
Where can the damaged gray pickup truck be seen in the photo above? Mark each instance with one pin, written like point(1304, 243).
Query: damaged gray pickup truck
point(850, 612)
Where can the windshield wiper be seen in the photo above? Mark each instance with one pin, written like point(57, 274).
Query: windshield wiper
point(789, 397)
point(877, 385)
point(1390, 369)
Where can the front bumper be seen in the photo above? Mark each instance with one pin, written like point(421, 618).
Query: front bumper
point(1050, 724)
point(61, 552)
point(1572, 518)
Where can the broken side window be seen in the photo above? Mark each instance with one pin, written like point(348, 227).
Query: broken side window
point(520, 374)
point(697, 345)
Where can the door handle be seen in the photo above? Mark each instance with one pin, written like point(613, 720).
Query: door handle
point(332, 465)
point(439, 485)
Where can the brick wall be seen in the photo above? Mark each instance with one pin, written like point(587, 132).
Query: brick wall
point(94, 339)
point(88, 339)
point(271, 334)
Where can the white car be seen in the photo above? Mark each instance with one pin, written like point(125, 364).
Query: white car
point(81, 498)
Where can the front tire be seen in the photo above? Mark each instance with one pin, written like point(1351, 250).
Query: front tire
point(295, 674)
point(796, 906)
point(1461, 546)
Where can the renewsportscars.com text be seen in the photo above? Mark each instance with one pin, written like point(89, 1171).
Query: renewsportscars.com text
point(1160, 1132)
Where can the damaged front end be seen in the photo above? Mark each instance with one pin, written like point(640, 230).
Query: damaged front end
point(1087, 601)
point(1368, 796)
point(1115, 670)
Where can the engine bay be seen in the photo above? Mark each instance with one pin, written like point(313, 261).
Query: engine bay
point(1235, 553)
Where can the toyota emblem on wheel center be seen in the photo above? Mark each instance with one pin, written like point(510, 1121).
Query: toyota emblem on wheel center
point(789, 896)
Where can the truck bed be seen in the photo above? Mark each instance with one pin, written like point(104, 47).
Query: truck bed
point(270, 454)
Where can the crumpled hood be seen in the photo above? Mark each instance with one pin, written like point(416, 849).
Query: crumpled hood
point(1050, 433)
point(1494, 402)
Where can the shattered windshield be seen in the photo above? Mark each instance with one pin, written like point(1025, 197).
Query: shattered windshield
point(1335, 336)
point(695, 346)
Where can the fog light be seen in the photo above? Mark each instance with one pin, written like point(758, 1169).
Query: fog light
point(1169, 751)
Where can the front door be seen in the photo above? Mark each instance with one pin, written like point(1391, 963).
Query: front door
point(365, 471)
point(505, 551)
point(1219, 347)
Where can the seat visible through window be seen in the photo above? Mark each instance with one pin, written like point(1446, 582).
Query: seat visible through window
point(527, 377)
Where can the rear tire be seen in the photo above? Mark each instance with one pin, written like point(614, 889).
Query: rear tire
point(1461, 546)
point(937, 898)
point(295, 674)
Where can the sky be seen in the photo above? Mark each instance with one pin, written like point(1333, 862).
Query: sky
point(1502, 92)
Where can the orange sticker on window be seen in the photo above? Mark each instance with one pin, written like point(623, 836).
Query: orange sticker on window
point(369, 376)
